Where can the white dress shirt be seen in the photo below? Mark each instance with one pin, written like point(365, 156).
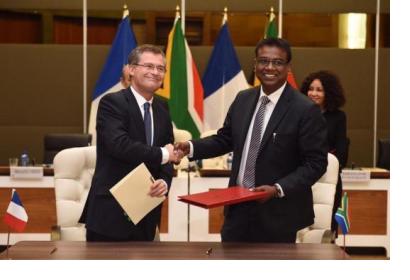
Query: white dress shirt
point(273, 97)
point(141, 101)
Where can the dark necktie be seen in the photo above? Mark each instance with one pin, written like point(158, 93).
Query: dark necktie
point(147, 123)
point(249, 174)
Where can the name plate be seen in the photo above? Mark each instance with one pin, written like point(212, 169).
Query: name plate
point(351, 175)
point(26, 172)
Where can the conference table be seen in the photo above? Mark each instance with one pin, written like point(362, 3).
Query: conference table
point(369, 204)
point(79, 250)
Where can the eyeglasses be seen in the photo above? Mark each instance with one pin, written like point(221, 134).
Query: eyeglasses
point(151, 67)
point(264, 62)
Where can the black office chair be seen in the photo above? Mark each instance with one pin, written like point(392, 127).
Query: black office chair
point(55, 142)
point(383, 153)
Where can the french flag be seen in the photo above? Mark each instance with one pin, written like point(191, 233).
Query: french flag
point(16, 216)
point(222, 80)
point(109, 80)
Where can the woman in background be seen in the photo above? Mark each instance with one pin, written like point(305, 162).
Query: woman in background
point(325, 89)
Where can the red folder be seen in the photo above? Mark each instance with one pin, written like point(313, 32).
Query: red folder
point(221, 197)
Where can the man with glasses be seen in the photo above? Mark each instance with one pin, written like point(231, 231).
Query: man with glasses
point(278, 139)
point(133, 127)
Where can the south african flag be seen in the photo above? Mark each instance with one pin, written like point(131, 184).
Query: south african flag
point(342, 215)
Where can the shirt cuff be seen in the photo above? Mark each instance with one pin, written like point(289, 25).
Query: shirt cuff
point(191, 149)
point(165, 155)
point(281, 193)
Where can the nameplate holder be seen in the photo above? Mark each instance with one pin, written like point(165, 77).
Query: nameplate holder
point(352, 175)
point(26, 172)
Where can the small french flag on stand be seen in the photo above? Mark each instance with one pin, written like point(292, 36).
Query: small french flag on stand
point(16, 216)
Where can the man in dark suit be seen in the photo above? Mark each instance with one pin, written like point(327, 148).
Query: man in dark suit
point(278, 139)
point(133, 127)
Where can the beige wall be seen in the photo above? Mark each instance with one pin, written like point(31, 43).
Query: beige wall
point(41, 85)
point(41, 91)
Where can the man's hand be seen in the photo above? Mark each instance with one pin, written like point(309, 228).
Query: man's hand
point(271, 190)
point(158, 188)
point(173, 155)
point(182, 148)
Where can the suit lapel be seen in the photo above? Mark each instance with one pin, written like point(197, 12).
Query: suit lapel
point(155, 121)
point(135, 111)
point(280, 109)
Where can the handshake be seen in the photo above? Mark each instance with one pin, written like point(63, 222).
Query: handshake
point(177, 151)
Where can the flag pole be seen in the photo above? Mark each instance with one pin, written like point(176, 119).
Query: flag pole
point(344, 242)
point(280, 16)
point(183, 16)
point(8, 243)
point(8, 234)
point(344, 245)
point(84, 66)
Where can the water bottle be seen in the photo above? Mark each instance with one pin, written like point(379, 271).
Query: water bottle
point(24, 159)
point(229, 161)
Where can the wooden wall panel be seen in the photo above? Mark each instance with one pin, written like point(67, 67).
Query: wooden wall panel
point(216, 219)
point(368, 212)
point(51, 98)
point(246, 29)
point(69, 30)
point(40, 205)
point(311, 30)
point(210, 5)
point(301, 29)
point(20, 28)
point(102, 31)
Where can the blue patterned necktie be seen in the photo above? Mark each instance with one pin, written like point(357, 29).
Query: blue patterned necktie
point(249, 174)
point(147, 123)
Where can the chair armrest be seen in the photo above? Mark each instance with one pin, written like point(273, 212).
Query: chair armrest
point(328, 236)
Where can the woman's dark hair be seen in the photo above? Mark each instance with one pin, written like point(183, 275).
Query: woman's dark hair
point(333, 90)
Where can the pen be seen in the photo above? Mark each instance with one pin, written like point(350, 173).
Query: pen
point(53, 251)
point(152, 179)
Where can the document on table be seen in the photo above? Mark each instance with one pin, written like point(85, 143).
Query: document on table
point(132, 193)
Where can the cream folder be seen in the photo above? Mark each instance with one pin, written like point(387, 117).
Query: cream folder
point(132, 193)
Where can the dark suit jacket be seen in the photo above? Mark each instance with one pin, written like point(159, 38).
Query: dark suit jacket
point(293, 153)
point(337, 139)
point(121, 146)
point(336, 134)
